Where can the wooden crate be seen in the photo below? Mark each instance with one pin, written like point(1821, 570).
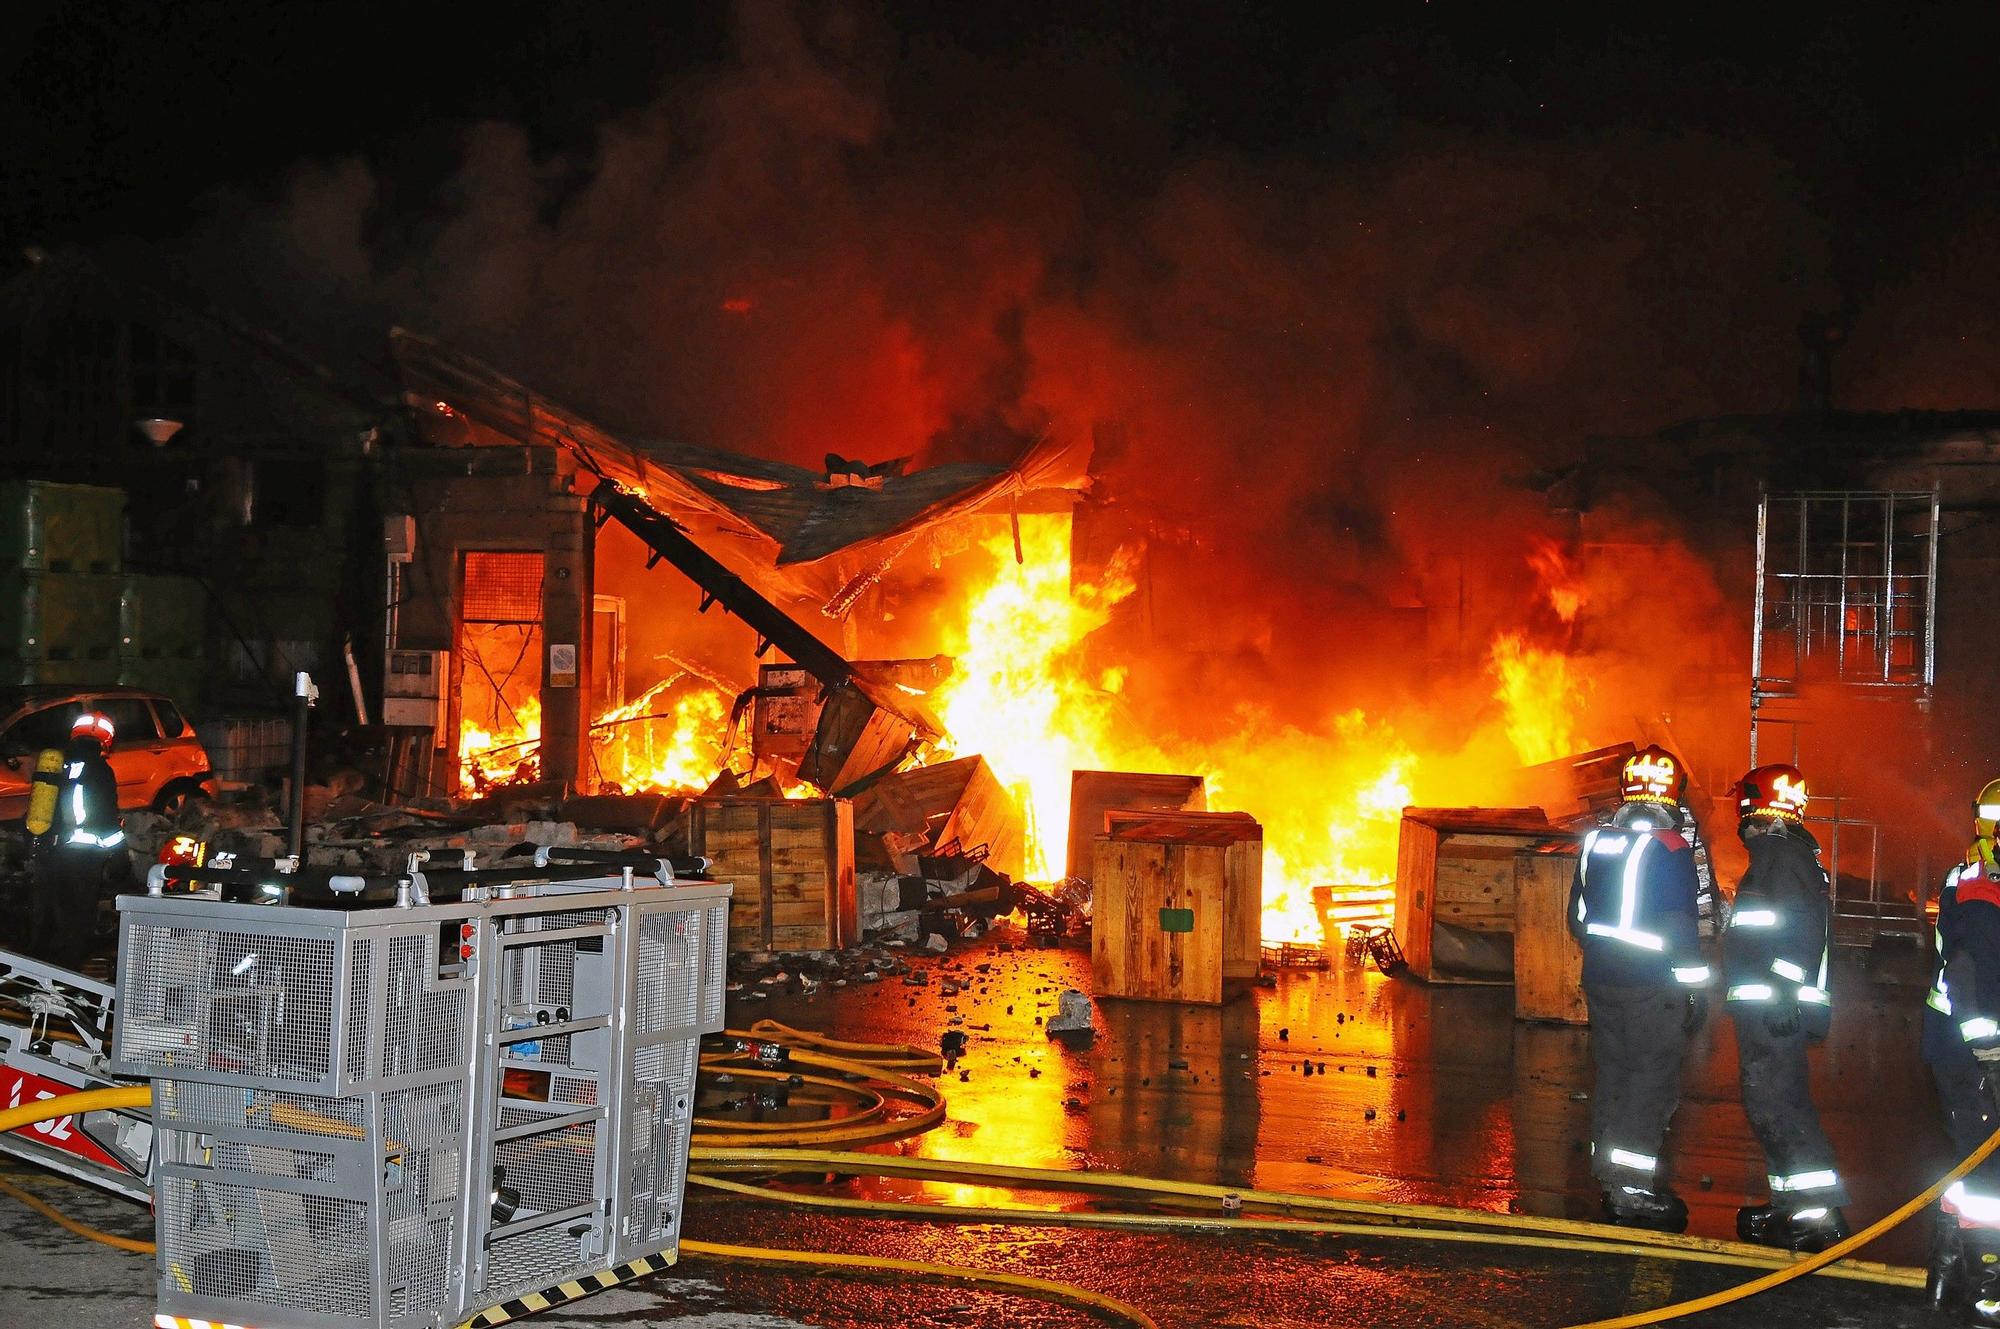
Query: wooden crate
point(1455, 889)
point(1145, 868)
point(1093, 793)
point(929, 808)
point(1548, 964)
point(792, 862)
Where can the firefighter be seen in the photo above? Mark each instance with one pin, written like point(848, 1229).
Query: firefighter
point(1774, 955)
point(79, 846)
point(1961, 1041)
point(1633, 910)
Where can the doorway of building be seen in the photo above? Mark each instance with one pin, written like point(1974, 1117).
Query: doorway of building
point(499, 669)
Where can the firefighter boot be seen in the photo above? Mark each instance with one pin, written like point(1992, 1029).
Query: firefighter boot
point(1980, 1268)
point(1943, 1275)
point(1761, 1223)
point(1662, 1211)
point(1810, 1231)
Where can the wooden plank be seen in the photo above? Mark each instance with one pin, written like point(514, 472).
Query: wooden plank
point(1243, 909)
point(1174, 827)
point(1503, 821)
point(956, 802)
point(1109, 917)
point(988, 814)
point(1416, 861)
point(764, 871)
point(1133, 955)
point(1548, 964)
point(1092, 793)
point(1198, 885)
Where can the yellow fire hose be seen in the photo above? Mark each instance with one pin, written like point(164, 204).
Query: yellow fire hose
point(62, 1220)
point(1751, 1257)
point(1058, 1179)
point(724, 1153)
point(139, 1096)
point(862, 1128)
point(71, 1105)
point(1807, 1265)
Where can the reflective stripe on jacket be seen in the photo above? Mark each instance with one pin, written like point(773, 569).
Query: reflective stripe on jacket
point(1775, 948)
point(1632, 907)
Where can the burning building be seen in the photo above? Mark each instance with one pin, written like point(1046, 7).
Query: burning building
point(1090, 614)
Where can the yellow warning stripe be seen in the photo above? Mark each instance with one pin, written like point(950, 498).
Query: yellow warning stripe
point(528, 1303)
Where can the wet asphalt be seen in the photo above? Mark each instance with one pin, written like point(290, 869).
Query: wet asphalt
point(1427, 1094)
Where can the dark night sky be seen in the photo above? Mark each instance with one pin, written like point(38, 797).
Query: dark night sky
point(1549, 225)
point(1304, 278)
point(120, 115)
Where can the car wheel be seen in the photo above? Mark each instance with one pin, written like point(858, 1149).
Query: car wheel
point(178, 797)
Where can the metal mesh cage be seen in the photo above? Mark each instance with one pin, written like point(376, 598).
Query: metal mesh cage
point(224, 1000)
point(345, 1133)
point(360, 969)
point(502, 587)
point(661, 1101)
point(274, 1247)
point(421, 1192)
point(423, 1026)
point(669, 960)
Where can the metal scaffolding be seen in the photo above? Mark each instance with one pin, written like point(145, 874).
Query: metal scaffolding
point(1846, 607)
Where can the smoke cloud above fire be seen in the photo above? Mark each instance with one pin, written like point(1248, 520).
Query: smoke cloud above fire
point(1339, 395)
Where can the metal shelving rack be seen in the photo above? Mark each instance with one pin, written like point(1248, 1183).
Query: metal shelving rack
point(1846, 607)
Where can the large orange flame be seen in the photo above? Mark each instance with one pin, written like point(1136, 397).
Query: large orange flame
point(671, 739)
point(1330, 802)
point(1328, 790)
point(1541, 690)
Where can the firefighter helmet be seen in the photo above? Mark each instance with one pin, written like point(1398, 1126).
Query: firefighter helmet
point(1986, 810)
point(1772, 791)
point(1652, 775)
point(94, 724)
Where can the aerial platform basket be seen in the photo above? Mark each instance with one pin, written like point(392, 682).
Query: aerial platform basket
point(405, 1115)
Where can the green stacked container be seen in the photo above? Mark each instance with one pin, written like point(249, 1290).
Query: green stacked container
point(47, 527)
point(161, 629)
point(61, 553)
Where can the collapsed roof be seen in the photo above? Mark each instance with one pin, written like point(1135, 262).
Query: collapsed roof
point(823, 536)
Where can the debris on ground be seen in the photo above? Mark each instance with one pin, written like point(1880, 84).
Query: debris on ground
point(1072, 1021)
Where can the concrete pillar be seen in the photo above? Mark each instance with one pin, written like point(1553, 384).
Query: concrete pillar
point(567, 707)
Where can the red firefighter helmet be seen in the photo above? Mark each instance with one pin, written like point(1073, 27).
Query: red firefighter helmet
point(1772, 791)
point(1652, 775)
point(183, 850)
point(94, 724)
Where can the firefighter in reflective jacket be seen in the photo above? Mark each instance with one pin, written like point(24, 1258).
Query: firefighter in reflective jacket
point(1961, 1041)
point(1633, 911)
point(1774, 955)
point(78, 847)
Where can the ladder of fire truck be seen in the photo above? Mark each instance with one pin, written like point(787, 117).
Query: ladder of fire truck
point(55, 1038)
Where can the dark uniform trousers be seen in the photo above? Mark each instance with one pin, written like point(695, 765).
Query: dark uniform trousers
point(1637, 1039)
point(1777, 1097)
point(1969, 1116)
point(63, 915)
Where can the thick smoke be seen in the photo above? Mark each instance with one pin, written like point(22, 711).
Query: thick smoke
point(1341, 392)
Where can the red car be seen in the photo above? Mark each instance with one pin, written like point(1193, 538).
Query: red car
point(159, 761)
